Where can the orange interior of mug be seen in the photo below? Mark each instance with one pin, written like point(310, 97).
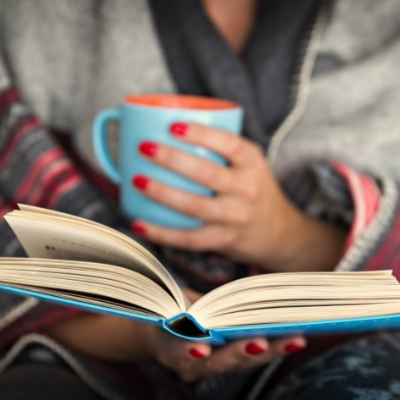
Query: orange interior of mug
point(181, 101)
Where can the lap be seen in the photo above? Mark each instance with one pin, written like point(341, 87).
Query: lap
point(367, 368)
point(363, 369)
point(41, 382)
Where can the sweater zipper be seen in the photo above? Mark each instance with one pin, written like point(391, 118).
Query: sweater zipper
point(302, 81)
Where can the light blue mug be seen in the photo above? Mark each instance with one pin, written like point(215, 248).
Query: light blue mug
point(149, 117)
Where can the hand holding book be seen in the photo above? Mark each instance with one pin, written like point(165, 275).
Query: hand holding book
point(126, 340)
point(193, 361)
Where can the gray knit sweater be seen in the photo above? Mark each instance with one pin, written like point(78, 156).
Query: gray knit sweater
point(69, 59)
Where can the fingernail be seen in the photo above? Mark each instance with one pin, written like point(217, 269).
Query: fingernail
point(196, 353)
point(138, 228)
point(179, 129)
point(254, 349)
point(140, 182)
point(293, 348)
point(148, 148)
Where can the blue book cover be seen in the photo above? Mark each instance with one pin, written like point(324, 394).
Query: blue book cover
point(218, 336)
point(78, 263)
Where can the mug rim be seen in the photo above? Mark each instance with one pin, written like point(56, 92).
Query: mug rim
point(180, 101)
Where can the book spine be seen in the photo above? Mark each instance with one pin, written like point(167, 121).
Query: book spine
point(185, 326)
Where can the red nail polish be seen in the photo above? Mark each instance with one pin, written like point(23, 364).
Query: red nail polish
point(293, 348)
point(196, 353)
point(138, 228)
point(148, 148)
point(140, 181)
point(254, 349)
point(179, 129)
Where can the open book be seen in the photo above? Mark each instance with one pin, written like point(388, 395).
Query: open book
point(85, 264)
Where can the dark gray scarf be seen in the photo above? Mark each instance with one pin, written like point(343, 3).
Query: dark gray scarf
point(261, 79)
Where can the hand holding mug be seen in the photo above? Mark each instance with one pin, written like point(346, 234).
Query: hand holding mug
point(244, 220)
point(192, 361)
point(173, 176)
point(147, 118)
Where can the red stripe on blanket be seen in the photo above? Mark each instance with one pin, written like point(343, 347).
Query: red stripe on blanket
point(69, 184)
point(43, 189)
point(101, 182)
point(29, 184)
point(7, 98)
point(365, 194)
point(387, 255)
point(27, 126)
point(55, 181)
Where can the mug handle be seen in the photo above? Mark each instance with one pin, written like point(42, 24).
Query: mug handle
point(99, 136)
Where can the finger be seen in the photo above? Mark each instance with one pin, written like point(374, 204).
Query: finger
point(224, 209)
point(211, 237)
point(201, 207)
point(285, 346)
point(190, 351)
point(235, 355)
point(245, 354)
point(187, 359)
point(204, 172)
point(237, 150)
point(179, 354)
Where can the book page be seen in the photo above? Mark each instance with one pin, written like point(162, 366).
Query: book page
point(88, 281)
point(298, 297)
point(49, 234)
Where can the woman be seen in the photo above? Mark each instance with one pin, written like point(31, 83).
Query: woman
point(62, 62)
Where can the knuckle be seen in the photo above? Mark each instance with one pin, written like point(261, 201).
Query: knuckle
point(251, 193)
point(240, 216)
point(157, 190)
point(168, 156)
point(197, 207)
point(234, 145)
point(257, 151)
point(227, 240)
point(190, 242)
point(186, 242)
point(158, 235)
point(208, 173)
